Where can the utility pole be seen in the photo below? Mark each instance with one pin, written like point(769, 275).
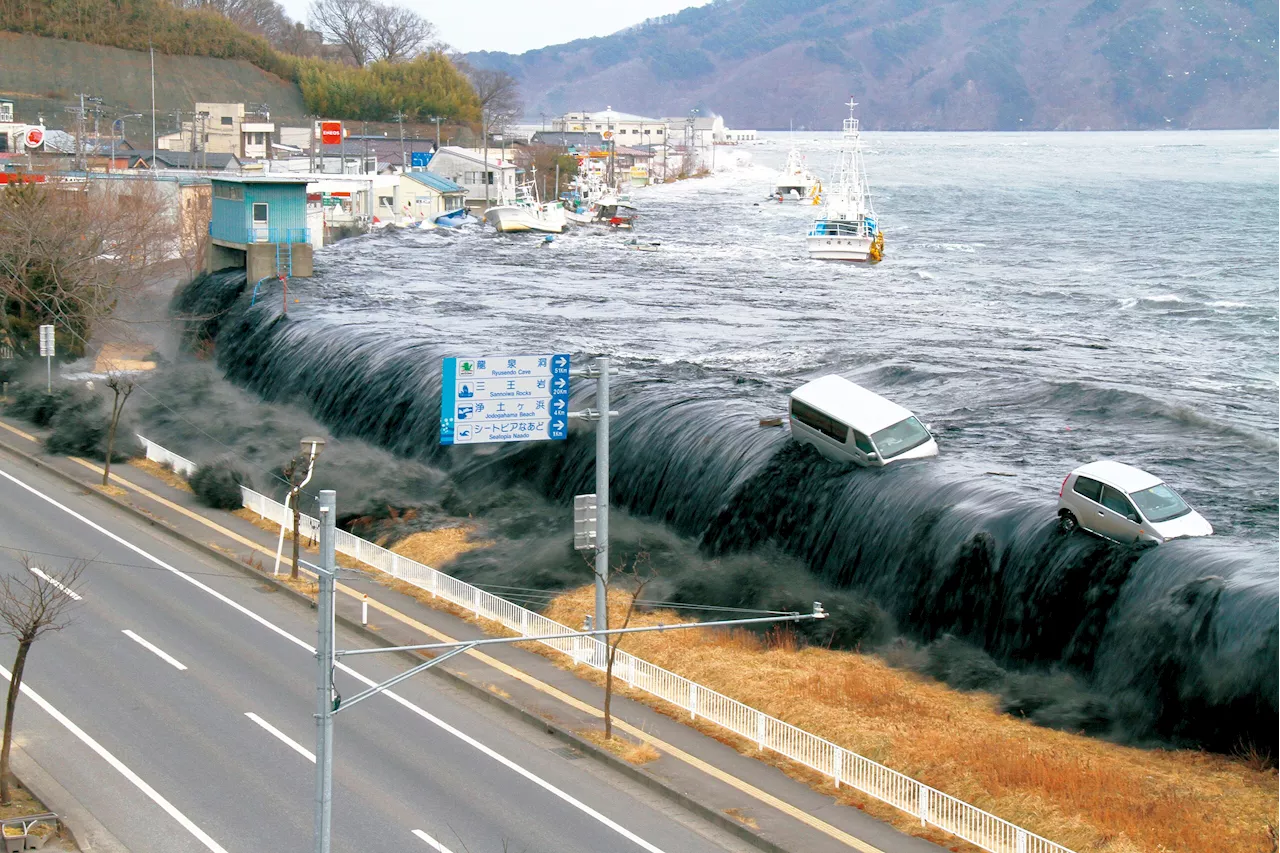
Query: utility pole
point(326, 575)
point(437, 121)
point(484, 176)
point(151, 47)
point(404, 163)
point(364, 167)
point(600, 414)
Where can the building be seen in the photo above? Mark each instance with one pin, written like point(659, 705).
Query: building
point(569, 139)
point(624, 128)
point(259, 223)
point(424, 196)
point(17, 137)
point(184, 160)
point(467, 168)
point(223, 129)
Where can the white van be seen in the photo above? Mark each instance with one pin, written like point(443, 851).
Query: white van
point(848, 423)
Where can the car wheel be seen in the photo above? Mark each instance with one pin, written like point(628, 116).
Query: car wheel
point(1067, 522)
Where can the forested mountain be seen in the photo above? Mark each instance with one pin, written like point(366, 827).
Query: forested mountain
point(914, 64)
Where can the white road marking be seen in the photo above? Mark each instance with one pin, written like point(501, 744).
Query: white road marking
point(56, 583)
point(288, 741)
point(431, 842)
point(395, 697)
point(119, 765)
point(152, 647)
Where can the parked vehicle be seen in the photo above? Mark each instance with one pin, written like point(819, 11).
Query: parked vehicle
point(1125, 504)
point(848, 423)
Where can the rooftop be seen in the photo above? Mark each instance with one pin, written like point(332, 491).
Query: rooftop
point(1124, 477)
point(850, 403)
point(436, 182)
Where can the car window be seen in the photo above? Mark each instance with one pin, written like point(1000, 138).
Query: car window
point(901, 437)
point(1118, 503)
point(1160, 503)
point(811, 417)
point(863, 442)
point(1091, 489)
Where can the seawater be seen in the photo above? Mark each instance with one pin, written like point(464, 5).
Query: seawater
point(1046, 300)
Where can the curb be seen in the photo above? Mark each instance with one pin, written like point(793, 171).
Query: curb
point(86, 831)
point(601, 755)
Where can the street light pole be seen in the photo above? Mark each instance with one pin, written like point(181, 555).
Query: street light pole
point(326, 574)
point(312, 447)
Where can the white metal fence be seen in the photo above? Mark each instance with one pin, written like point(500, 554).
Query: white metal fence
point(156, 453)
point(932, 807)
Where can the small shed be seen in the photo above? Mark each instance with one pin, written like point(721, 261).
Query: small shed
point(424, 196)
point(259, 222)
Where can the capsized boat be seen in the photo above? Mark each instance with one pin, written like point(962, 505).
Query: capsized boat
point(454, 218)
point(847, 230)
point(795, 181)
point(527, 213)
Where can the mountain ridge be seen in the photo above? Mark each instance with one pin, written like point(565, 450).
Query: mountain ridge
point(954, 65)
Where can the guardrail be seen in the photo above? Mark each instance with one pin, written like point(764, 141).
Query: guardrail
point(844, 766)
point(156, 453)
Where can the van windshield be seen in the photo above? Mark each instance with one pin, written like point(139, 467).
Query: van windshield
point(899, 438)
point(1160, 503)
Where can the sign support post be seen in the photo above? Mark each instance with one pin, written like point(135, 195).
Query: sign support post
point(602, 495)
point(46, 350)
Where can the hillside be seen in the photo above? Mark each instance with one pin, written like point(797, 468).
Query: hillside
point(43, 75)
point(949, 65)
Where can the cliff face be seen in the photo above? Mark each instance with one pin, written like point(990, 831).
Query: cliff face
point(917, 65)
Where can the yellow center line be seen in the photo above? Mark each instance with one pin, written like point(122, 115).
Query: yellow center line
point(674, 751)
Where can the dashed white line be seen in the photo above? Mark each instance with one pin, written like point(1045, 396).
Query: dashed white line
point(537, 780)
point(56, 583)
point(152, 647)
point(186, 822)
point(284, 738)
point(431, 842)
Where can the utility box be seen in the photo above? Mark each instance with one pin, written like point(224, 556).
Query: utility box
point(584, 522)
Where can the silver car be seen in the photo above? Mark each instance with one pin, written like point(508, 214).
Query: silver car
point(1125, 504)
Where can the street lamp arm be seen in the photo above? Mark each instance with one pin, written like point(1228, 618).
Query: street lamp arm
point(818, 613)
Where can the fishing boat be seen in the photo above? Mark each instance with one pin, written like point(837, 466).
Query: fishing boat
point(847, 230)
point(795, 181)
point(527, 213)
point(454, 218)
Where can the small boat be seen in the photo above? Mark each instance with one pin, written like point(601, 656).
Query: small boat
point(526, 213)
point(847, 230)
point(454, 218)
point(795, 182)
point(642, 245)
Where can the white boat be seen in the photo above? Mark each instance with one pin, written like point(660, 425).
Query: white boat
point(526, 213)
point(795, 181)
point(847, 230)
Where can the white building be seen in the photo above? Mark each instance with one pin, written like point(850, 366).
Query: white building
point(623, 128)
point(467, 168)
point(701, 131)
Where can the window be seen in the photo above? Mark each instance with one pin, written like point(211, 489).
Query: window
point(814, 419)
point(227, 121)
point(901, 437)
point(1115, 501)
point(863, 443)
point(230, 192)
point(490, 177)
point(259, 213)
point(1091, 489)
point(659, 131)
point(1160, 503)
point(386, 201)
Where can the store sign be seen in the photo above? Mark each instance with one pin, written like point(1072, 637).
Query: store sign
point(331, 132)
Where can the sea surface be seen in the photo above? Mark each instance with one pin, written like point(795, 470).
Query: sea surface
point(1046, 299)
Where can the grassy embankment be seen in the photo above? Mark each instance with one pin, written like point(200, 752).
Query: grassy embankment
point(1090, 795)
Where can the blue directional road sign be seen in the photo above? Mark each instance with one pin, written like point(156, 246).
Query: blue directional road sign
point(490, 399)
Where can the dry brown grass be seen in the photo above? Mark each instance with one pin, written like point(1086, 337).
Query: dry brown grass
point(436, 547)
point(1082, 792)
point(742, 817)
point(160, 472)
point(630, 751)
point(114, 491)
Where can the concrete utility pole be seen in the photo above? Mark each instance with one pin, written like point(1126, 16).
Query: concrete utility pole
point(484, 176)
point(404, 164)
point(599, 370)
point(326, 704)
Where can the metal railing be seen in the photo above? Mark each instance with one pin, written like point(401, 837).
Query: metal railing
point(845, 767)
point(156, 453)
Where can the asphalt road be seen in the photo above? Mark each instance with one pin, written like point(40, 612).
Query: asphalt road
point(192, 688)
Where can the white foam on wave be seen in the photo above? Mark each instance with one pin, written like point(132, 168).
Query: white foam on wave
point(1226, 304)
point(1164, 297)
point(924, 275)
point(1127, 302)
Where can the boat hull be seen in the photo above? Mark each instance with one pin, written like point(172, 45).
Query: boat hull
point(513, 219)
point(824, 248)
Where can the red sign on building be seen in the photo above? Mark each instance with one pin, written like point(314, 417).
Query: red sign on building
point(331, 132)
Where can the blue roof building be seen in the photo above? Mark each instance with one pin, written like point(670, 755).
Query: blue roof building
point(424, 196)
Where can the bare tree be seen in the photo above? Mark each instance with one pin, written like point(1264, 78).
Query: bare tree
point(121, 387)
point(345, 22)
point(637, 583)
point(266, 18)
point(498, 91)
point(397, 34)
point(30, 605)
